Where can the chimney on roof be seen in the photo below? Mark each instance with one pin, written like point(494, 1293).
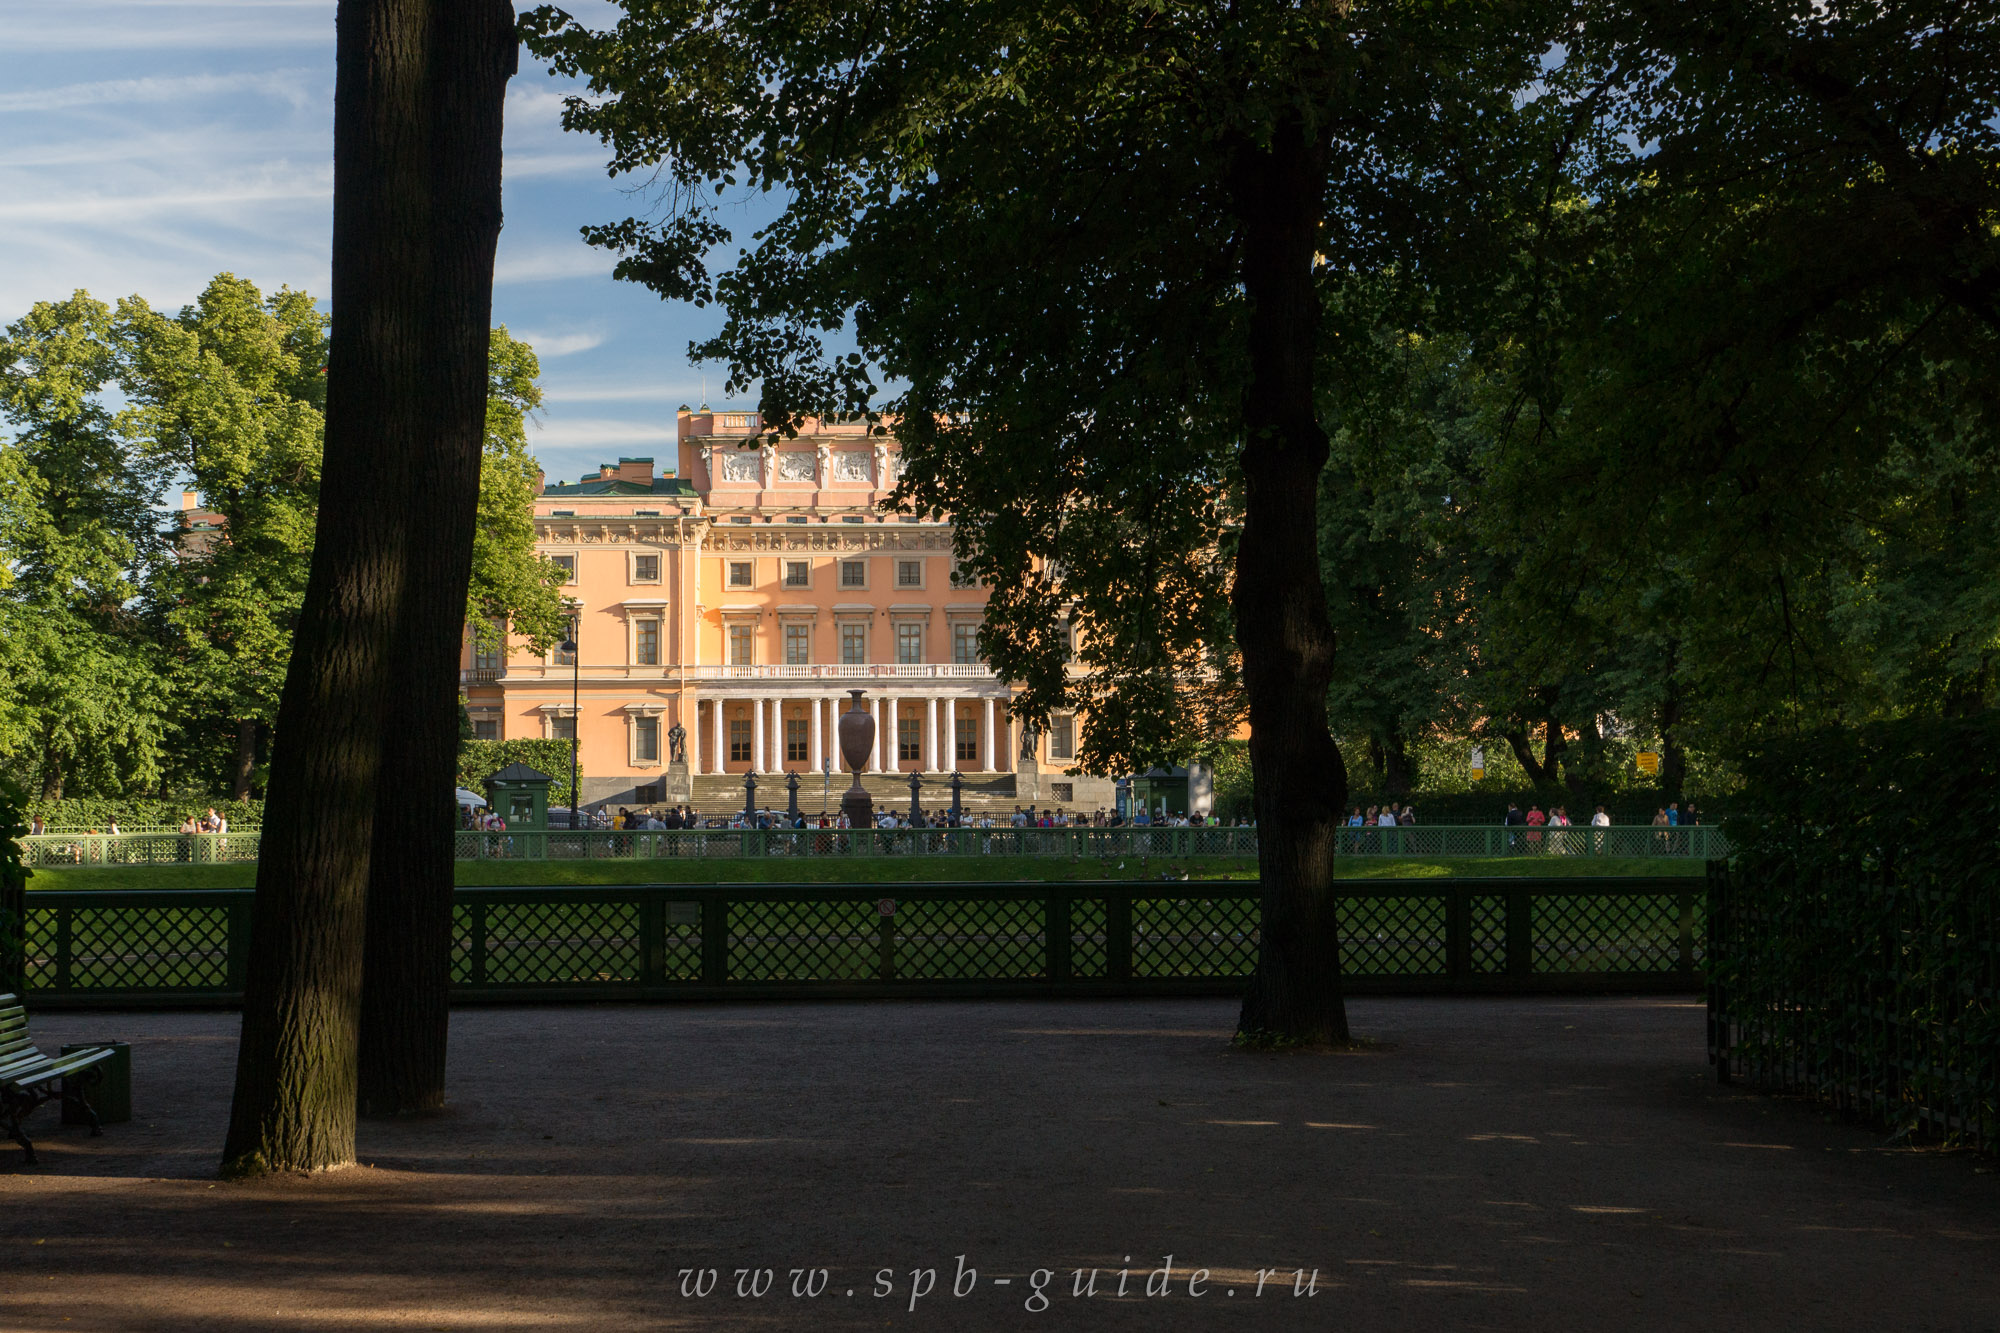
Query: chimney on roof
point(541, 480)
point(606, 472)
point(636, 470)
point(190, 500)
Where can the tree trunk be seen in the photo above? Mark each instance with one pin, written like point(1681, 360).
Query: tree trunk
point(1398, 774)
point(52, 777)
point(1281, 622)
point(1524, 755)
point(1673, 759)
point(246, 759)
point(438, 290)
point(399, 64)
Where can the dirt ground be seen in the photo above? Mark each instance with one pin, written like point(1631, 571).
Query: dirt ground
point(1541, 1164)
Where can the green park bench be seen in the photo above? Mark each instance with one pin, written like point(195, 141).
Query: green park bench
point(28, 1078)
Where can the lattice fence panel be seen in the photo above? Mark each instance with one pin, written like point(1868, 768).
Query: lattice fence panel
point(982, 941)
point(781, 941)
point(1194, 937)
point(165, 948)
point(461, 944)
point(1089, 955)
point(527, 943)
point(1488, 951)
point(1607, 933)
point(1393, 937)
point(39, 941)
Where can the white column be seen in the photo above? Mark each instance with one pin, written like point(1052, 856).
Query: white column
point(885, 739)
point(720, 754)
point(778, 734)
point(757, 751)
point(818, 706)
point(875, 750)
point(930, 733)
point(986, 735)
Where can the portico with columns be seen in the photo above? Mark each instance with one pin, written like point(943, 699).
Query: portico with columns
point(965, 729)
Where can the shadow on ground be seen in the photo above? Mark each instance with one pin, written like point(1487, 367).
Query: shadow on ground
point(1508, 1164)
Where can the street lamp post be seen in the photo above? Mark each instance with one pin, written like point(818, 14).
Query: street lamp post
point(569, 646)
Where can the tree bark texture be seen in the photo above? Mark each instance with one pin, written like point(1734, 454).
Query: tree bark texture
point(246, 759)
point(440, 141)
point(1281, 621)
point(296, 1081)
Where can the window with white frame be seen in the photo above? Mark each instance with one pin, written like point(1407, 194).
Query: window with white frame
point(909, 643)
point(567, 564)
point(742, 645)
point(645, 569)
point(964, 644)
point(1062, 737)
point(485, 729)
point(740, 573)
point(562, 728)
point(646, 642)
point(798, 574)
point(909, 573)
point(798, 645)
point(645, 740)
point(853, 645)
point(854, 573)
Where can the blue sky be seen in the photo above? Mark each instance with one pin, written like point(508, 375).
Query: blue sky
point(146, 145)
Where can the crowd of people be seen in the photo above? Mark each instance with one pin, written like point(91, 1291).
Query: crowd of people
point(682, 817)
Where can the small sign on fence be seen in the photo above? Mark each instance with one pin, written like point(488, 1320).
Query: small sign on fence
point(1649, 761)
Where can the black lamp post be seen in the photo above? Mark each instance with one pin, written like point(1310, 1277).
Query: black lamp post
point(916, 810)
point(792, 786)
point(957, 798)
point(750, 799)
point(569, 646)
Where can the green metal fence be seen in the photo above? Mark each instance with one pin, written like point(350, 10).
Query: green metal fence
point(1699, 843)
point(662, 942)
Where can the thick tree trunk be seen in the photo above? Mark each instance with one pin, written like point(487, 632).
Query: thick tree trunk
point(1398, 773)
point(52, 777)
point(1281, 621)
point(1524, 755)
point(398, 65)
point(1673, 759)
point(440, 278)
point(245, 762)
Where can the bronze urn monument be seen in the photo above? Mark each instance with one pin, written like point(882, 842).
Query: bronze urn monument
point(857, 739)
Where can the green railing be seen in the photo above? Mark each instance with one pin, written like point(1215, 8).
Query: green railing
point(661, 942)
point(1701, 843)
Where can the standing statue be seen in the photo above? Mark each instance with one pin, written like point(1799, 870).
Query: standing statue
point(677, 743)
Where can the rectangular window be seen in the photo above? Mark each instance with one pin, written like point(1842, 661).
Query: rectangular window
point(909, 738)
point(646, 740)
point(853, 644)
point(645, 569)
point(1062, 738)
point(739, 573)
point(968, 737)
point(563, 656)
point(742, 643)
point(646, 793)
point(487, 659)
point(965, 644)
point(795, 740)
point(909, 573)
point(1069, 641)
point(485, 729)
point(798, 645)
point(562, 728)
point(567, 564)
point(909, 643)
point(853, 573)
point(1065, 792)
point(739, 740)
point(798, 574)
point(646, 643)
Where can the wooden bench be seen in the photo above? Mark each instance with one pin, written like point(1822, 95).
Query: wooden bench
point(28, 1078)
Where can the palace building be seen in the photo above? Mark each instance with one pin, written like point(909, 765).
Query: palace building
point(740, 599)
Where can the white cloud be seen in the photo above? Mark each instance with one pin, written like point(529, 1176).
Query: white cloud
point(551, 262)
point(297, 86)
point(561, 344)
point(600, 433)
point(211, 25)
point(618, 393)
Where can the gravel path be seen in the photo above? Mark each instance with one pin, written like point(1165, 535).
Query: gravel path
point(1538, 1164)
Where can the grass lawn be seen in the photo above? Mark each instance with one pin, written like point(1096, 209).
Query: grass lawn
point(877, 870)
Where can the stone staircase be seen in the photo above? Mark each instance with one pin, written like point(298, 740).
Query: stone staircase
point(722, 793)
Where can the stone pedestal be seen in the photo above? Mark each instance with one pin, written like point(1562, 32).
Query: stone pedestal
point(677, 785)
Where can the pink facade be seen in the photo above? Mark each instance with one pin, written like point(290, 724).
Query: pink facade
point(741, 598)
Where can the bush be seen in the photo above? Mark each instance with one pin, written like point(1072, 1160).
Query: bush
point(480, 760)
point(97, 812)
point(1856, 949)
